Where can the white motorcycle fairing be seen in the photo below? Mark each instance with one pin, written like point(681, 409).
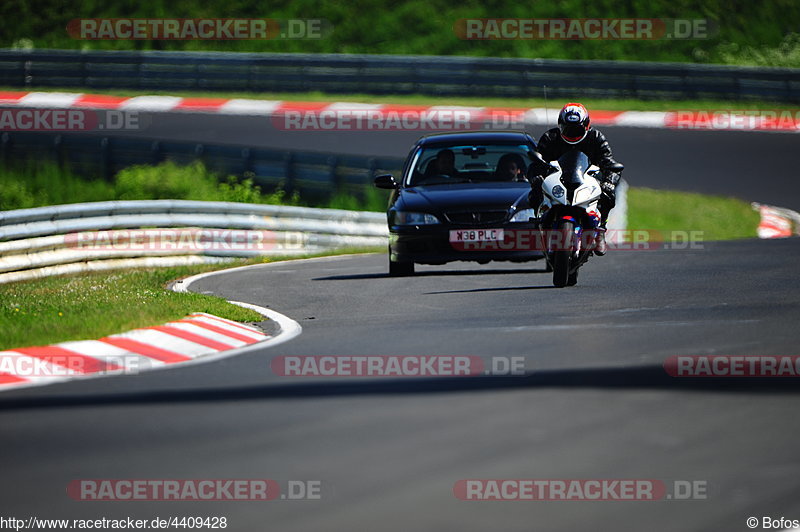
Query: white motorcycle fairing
point(586, 195)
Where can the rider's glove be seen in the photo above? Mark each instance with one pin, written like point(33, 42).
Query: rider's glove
point(609, 197)
point(608, 188)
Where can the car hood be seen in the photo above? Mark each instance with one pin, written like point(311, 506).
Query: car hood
point(463, 196)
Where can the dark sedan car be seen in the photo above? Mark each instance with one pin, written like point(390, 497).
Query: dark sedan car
point(462, 196)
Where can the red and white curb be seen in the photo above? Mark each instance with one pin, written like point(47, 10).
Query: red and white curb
point(195, 338)
point(777, 222)
point(740, 120)
point(198, 338)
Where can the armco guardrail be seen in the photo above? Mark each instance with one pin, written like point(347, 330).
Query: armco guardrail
point(392, 74)
point(313, 174)
point(117, 234)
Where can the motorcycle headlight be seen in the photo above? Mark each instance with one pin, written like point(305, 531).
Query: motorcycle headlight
point(524, 215)
point(414, 218)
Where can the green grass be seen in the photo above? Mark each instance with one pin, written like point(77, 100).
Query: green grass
point(89, 306)
point(717, 217)
point(605, 104)
point(93, 305)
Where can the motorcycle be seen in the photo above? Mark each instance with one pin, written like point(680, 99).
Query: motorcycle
point(568, 214)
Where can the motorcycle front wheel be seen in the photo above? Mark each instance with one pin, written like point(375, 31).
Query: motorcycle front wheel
point(563, 253)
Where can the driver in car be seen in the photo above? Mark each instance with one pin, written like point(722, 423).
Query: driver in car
point(574, 131)
point(444, 164)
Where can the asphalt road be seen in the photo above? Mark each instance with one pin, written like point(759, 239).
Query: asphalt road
point(751, 166)
point(595, 402)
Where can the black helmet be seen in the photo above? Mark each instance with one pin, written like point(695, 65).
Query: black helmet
point(573, 122)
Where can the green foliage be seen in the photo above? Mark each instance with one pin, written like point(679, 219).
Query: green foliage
point(759, 29)
point(373, 200)
point(787, 54)
point(45, 184)
point(34, 185)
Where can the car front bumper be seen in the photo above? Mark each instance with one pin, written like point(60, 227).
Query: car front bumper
point(431, 245)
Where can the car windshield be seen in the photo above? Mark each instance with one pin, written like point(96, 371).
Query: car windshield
point(469, 163)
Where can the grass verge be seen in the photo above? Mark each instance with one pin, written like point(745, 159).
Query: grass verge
point(605, 104)
point(90, 306)
point(717, 217)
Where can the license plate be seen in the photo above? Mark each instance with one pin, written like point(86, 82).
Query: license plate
point(476, 235)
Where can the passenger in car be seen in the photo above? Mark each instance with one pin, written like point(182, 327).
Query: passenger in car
point(510, 167)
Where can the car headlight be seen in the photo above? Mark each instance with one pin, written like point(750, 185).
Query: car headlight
point(414, 218)
point(524, 215)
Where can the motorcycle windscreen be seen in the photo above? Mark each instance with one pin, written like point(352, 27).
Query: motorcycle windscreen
point(574, 165)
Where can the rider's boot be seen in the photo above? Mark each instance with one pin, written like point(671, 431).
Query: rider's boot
point(600, 246)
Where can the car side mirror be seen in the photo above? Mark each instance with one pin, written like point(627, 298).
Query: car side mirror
point(385, 181)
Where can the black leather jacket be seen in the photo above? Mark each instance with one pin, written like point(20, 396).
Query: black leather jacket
point(594, 145)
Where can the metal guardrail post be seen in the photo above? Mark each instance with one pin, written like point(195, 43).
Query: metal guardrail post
point(288, 184)
point(335, 179)
point(200, 153)
point(247, 161)
point(59, 152)
point(5, 149)
point(106, 159)
point(155, 153)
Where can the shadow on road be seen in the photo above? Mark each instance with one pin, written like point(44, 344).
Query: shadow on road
point(637, 378)
point(429, 273)
point(500, 289)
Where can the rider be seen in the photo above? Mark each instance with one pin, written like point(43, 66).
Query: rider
point(574, 131)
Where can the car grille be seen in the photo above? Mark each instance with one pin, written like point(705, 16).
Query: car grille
point(476, 217)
